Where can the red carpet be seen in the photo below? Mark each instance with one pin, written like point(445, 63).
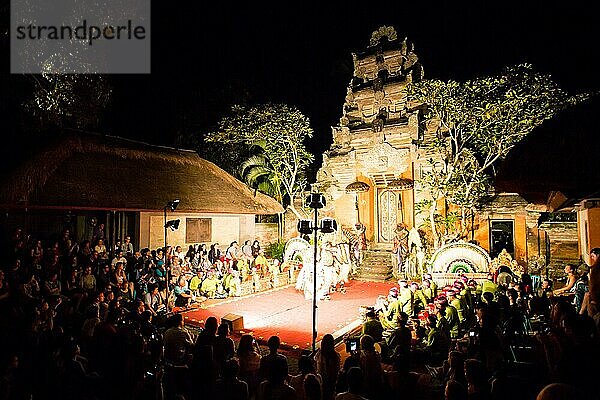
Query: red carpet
point(285, 313)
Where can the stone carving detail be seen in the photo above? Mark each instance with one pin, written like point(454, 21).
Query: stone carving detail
point(382, 156)
point(460, 257)
point(385, 31)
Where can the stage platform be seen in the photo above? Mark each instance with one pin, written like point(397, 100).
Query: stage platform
point(284, 312)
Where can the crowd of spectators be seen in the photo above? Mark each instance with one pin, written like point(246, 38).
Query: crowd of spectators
point(85, 321)
point(75, 316)
point(497, 339)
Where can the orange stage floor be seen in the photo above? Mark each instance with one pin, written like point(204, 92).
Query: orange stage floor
point(284, 312)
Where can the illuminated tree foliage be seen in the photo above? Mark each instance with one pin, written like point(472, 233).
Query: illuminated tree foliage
point(69, 100)
point(476, 124)
point(276, 134)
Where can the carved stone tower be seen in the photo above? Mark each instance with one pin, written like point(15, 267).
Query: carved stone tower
point(368, 172)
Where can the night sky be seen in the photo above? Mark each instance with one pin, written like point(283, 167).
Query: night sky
point(206, 58)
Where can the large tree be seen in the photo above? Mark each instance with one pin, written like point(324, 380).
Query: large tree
point(68, 100)
point(476, 124)
point(275, 136)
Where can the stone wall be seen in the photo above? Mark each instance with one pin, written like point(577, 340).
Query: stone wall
point(266, 233)
point(563, 241)
point(224, 229)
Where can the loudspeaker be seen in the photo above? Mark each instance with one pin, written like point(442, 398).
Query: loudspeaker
point(235, 322)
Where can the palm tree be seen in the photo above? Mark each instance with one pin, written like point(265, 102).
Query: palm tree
point(258, 174)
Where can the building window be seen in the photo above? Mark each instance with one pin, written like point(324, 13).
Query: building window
point(198, 230)
point(502, 237)
point(266, 219)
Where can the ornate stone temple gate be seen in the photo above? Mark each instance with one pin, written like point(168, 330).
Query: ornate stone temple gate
point(375, 142)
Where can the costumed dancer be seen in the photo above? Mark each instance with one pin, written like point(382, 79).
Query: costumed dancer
point(400, 249)
point(359, 246)
point(328, 268)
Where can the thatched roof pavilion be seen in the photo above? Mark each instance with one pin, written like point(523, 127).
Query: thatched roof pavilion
point(95, 172)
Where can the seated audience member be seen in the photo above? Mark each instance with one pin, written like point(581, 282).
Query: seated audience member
point(88, 281)
point(183, 297)
point(275, 387)
point(312, 388)
point(229, 386)
point(210, 285)
point(571, 275)
point(196, 282)
point(372, 326)
point(437, 343)
point(559, 391)
point(355, 383)
point(477, 381)
point(153, 300)
point(261, 264)
point(178, 342)
point(305, 366)
point(455, 391)
point(398, 344)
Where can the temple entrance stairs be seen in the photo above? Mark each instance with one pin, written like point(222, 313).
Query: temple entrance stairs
point(376, 266)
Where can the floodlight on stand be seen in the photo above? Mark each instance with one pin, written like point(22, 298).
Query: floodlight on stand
point(172, 205)
point(328, 225)
point(315, 200)
point(172, 224)
point(305, 226)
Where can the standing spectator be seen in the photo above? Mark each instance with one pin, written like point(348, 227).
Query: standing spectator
point(370, 364)
point(328, 365)
point(267, 361)
point(580, 289)
point(98, 233)
point(592, 304)
point(249, 359)
point(223, 347)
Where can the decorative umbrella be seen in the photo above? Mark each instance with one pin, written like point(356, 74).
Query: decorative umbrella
point(356, 188)
point(401, 184)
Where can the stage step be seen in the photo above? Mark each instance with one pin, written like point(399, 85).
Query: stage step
point(376, 266)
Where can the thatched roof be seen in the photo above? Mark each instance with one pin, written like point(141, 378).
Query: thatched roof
point(89, 171)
